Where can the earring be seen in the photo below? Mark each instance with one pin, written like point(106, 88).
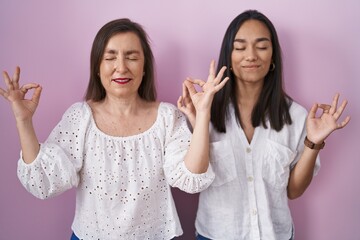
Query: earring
point(272, 66)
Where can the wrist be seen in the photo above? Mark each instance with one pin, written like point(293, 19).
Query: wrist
point(312, 145)
point(202, 115)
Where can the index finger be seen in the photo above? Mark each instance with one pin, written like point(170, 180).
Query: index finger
point(190, 87)
point(325, 107)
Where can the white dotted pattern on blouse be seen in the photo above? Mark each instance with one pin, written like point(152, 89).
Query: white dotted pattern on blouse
point(122, 183)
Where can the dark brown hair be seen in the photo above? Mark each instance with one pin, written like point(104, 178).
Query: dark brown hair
point(273, 102)
point(95, 90)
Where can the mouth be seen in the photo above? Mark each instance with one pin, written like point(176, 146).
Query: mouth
point(121, 80)
point(251, 66)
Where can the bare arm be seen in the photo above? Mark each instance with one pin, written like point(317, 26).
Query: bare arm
point(197, 105)
point(23, 110)
point(318, 129)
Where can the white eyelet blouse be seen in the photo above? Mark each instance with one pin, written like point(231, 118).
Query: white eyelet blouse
point(122, 183)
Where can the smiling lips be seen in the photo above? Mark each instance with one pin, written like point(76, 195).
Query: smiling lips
point(121, 80)
point(251, 66)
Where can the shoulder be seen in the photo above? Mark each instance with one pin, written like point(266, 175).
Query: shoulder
point(298, 115)
point(297, 111)
point(78, 111)
point(168, 108)
point(170, 113)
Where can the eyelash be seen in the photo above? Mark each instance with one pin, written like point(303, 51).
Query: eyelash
point(128, 58)
point(242, 49)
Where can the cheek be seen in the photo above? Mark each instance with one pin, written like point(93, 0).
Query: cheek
point(106, 67)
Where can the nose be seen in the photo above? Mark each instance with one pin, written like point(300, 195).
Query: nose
point(120, 65)
point(251, 54)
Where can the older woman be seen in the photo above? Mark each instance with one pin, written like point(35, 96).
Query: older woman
point(120, 148)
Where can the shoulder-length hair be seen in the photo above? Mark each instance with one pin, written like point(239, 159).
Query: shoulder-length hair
point(273, 102)
point(95, 90)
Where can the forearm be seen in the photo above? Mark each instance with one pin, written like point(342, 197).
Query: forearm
point(29, 143)
point(301, 175)
point(197, 157)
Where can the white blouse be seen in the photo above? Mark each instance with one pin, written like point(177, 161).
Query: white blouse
point(122, 183)
point(248, 198)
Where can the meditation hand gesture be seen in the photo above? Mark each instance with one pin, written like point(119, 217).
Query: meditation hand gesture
point(319, 128)
point(23, 108)
point(192, 101)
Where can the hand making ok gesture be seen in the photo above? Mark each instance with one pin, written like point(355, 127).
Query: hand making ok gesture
point(192, 101)
point(23, 109)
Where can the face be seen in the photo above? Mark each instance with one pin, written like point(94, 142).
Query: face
point(252, 52)
point(122, 65)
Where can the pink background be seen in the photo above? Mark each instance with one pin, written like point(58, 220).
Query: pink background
point(51, 42)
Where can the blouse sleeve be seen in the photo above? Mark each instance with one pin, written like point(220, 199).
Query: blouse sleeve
point(177, 142)
point(56, 167)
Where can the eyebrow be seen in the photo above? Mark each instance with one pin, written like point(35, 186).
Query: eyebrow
point(129, 52)
point(262, 39)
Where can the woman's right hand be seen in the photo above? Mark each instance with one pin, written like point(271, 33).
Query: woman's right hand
point(23, 109)
point(192, 101)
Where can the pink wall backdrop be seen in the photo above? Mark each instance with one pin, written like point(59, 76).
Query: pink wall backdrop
point(51, 42)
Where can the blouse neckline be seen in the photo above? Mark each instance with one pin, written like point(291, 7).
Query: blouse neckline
point(146, 132)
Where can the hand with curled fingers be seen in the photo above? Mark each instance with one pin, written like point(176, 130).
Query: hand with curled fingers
point(192, 101)
point(23, 109)
point(319, 128)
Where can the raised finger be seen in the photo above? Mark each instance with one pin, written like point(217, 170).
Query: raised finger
point(8, 81)
point(343, 123)
point(212, 69)
point(16, 77)
point(221, 84)
point(340, 110)
point(220, 75)
point(334, 104)
point(3, 93)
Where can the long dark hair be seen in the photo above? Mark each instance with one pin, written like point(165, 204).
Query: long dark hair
point(95, 90)
point(273, 102)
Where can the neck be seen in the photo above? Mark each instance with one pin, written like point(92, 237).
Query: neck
point(248, 94)
point(123, 107)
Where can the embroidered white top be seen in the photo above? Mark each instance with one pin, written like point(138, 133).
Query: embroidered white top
point(122, 183)
point(248, 198)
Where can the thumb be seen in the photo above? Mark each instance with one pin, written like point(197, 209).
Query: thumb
point(36, 96)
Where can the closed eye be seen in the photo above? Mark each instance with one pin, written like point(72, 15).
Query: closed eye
point(132, 58)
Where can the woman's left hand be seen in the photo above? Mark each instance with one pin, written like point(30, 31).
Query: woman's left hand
point(319, 128)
